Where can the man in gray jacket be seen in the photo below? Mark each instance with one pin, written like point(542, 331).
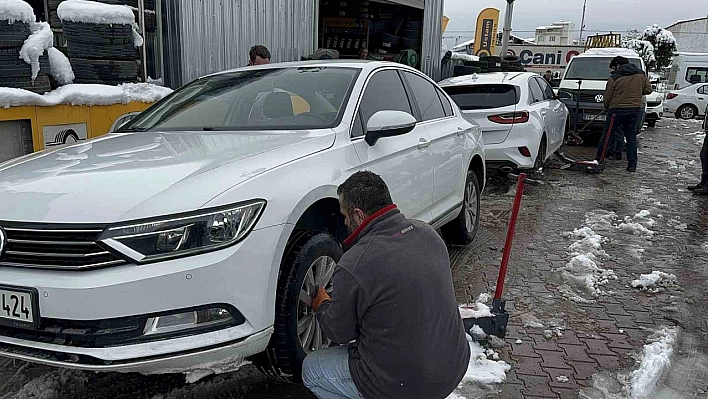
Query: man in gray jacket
point(393, 306)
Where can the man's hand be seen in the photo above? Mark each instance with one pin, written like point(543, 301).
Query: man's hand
point(321, 297)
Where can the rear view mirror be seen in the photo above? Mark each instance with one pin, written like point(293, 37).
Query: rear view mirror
point(388, 124)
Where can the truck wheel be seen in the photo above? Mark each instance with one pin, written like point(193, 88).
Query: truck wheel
point(463, 229)
point(308, 264)
point(687, 111)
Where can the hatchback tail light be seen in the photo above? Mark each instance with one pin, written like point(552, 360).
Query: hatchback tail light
point(671, 95)
point(510, 118)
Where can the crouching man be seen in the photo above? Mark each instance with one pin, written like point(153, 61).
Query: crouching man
point(393, 307)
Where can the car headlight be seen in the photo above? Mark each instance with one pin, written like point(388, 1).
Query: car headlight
point(182, 235)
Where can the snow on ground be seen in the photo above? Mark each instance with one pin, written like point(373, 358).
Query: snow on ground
point(36, 45)
point(84, 94)
point(638, 225)
point(92, 12)
point(477, 309)
point(600, 220)
point(530, 321)
point(583, 274)
point(562, 378)
point(16, 11)
point(654, 280)
point(60, 67)
point(656, 356)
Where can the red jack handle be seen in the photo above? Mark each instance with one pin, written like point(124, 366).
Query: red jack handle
point(607, 138)
point(510, 236)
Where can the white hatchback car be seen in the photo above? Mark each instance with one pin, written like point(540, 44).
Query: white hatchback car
point(523, 121)
point(687, 103)
point(196, 235)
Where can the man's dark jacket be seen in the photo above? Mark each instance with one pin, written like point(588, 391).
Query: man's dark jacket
point(626, 87)
point(393, 294)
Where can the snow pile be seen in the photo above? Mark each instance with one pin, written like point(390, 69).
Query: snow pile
point(84, 94)
point(477, 309)
point(36, 44)
point(583, 274)
point(60, 67)
point(91, 12)
point(16, 11)
point(482, 370)
point(639, 224)
point(654, 281)
point(599, 220)
point(656, 357)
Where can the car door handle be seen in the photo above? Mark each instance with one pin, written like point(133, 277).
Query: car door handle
point(460, 132)
point(423, 144)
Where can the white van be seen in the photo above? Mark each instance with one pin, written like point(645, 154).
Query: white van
point(688, 69)
point(583, 87)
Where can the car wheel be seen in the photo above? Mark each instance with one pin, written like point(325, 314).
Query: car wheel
point(686, 111)
point(463, 229)
point(309, 264)
point(651, 124)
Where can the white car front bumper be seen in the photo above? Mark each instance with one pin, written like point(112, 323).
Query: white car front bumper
point(242, 277)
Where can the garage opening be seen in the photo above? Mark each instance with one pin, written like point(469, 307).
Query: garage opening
point(390, 31)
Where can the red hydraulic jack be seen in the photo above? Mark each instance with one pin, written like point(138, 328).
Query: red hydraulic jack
point(591, 167)
point(497, 323)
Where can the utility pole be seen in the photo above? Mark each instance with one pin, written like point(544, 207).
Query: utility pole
point(582, 23)
point(507, 27)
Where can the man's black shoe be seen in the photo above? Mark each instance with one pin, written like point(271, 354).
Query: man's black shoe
point(701, 191)
point(696, 186)
point(615, 157)
point(631, 169)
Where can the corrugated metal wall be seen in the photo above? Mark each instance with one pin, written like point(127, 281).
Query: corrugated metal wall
point(216, 34)
point(432, 38)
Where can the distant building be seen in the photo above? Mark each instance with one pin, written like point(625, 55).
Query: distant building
point(691, 35)
point(557, 34)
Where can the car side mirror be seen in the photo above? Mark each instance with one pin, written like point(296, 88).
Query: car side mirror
point(388, 124)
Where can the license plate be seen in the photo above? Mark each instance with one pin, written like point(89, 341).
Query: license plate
point(601, 118)
point(18, 307)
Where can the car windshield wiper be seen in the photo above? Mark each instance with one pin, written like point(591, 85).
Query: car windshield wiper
point(133, 129)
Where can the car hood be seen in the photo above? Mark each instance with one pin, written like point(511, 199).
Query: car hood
point(130, 176)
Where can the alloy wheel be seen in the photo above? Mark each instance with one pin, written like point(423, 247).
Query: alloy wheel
point(687, 113)
point(471, 197)
point(308, 328)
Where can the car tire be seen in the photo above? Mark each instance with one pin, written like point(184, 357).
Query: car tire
point(13, 35)
point(285, 352)
point(651, 123)
point(463, 229)
point(686, 112)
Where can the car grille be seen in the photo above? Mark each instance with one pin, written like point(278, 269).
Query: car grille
point(586, 97)
point(55, 247)
point(652, 104)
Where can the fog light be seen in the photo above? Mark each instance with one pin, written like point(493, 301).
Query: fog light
point(187, 321)
point(525, 152)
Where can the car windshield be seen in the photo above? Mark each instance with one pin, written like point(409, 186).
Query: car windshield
point(261, 99)
point(483, 96)
point(593, 68)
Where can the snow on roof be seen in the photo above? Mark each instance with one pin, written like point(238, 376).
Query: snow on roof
point(95, 13)
point(614, 51)
point(36, 44)
point(16, 10)
point(84, 94)
point(680, 21)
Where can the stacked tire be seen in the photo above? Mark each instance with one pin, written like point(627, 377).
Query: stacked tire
point(15, 72)
point(513, 63)
point(150, 17)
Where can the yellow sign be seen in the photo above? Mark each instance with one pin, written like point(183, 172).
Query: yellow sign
point(445, 21)
point(485, 40)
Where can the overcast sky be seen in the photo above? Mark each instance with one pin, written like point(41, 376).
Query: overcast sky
point(601, 15)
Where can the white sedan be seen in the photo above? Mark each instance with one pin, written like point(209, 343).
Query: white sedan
point(196, 235)
point(523, 121)
point(687, 103)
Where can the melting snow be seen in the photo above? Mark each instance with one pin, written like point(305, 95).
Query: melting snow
point(654, 280)
point(639, 224)
point(36, 44)
point(475, 311)
point(88, 94)
point(562, 378)
point(481, 369)
point(16, 11)
point(60, 67)
point(656, 356)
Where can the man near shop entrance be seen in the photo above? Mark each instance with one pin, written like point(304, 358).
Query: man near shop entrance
point(258, 55)
point(623, 101)
point(393, 306)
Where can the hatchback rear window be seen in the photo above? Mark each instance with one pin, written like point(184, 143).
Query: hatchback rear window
point(483, 96)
